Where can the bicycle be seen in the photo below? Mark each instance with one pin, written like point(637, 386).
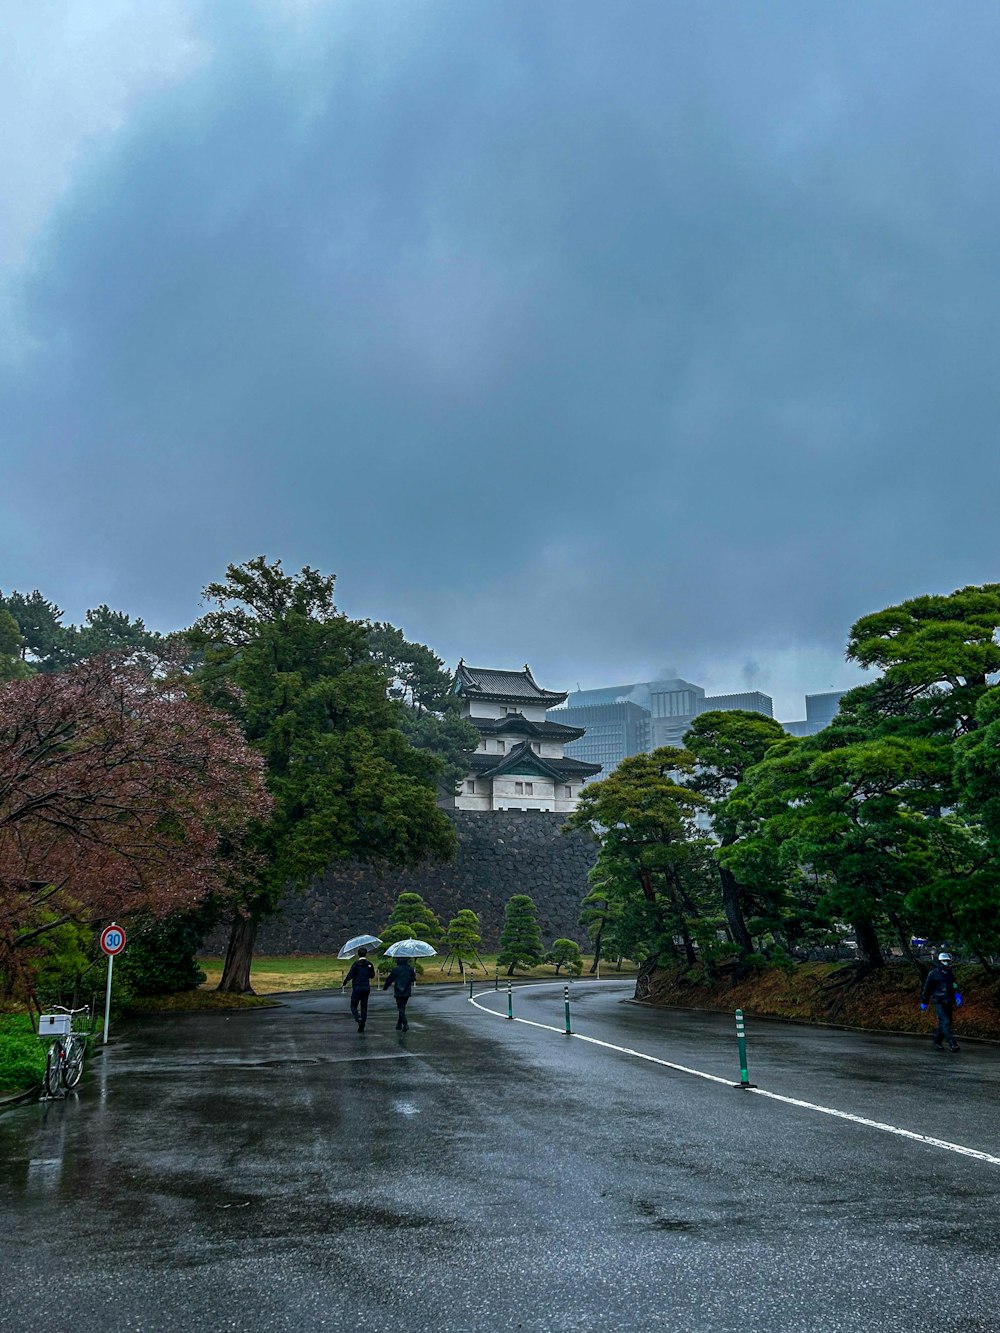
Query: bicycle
point(64, 1063)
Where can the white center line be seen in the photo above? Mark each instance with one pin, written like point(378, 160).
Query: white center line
point(759, 1092)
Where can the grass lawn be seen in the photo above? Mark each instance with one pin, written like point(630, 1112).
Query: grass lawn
point(22, 1055)
point(324, 971)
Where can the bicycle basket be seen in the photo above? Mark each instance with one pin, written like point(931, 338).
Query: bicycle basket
point(55, 1025)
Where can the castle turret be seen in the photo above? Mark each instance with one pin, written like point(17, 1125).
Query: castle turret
point(520, 762)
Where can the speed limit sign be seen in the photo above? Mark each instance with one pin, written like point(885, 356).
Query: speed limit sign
point(112, 940)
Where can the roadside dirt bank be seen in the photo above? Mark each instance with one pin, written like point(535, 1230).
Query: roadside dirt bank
point(886, 1000)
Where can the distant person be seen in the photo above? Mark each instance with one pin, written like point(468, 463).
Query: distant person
point(401, 979)
point(939, 989)
point(360, 977)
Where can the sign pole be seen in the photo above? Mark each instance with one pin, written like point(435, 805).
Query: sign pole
point(112, 942)
point(107, 997)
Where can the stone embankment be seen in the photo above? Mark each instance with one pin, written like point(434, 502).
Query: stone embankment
point(499, 854)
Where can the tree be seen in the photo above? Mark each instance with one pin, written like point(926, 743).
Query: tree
point(105, 631)
point(936, 653)
point(464, 939)
point(598, 914)
point(726, 745)
point(12, 665)
point(520, 938)
point(346, 783)
point(40, 624)
point(429, 713)
point(120, 792)
point(565, 954)
point(652, 857)
point(412, 919)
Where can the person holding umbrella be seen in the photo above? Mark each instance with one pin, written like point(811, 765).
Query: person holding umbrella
point(360, 977)
point(401, 979)
point(403, 975)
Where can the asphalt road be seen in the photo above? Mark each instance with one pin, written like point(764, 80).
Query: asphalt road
point(274, 1170)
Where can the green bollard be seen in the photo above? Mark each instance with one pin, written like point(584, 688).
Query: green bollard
point(510, 1001)
point(496, 977)
point(569, 1030)
point(470, 988)
point(741, 1041)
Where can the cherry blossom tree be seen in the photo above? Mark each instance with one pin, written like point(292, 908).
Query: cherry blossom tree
point(120, 791)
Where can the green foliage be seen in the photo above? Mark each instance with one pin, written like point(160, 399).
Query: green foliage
point(49, 645)
point(40, 624)
point(12, 667)
point(160, 956)
point(64, 959)
point(653, 862)
point(428, 712)
point(463, 935)
point(520, 938)
point(22, 1054)
point(726, 746)
point(565, 954)
point(346, 782)
point(411, 918)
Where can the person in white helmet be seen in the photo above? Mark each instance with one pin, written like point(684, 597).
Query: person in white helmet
point(939, 989)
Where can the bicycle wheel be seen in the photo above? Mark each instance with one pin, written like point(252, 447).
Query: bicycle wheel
point(76, 1050)
point(54, 1071)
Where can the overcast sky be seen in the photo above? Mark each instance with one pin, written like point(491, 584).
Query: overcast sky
point(620, 338)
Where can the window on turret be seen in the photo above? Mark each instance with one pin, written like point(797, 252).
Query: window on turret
point(470, 787)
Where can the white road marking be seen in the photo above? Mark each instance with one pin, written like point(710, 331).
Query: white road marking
point(759, 1092)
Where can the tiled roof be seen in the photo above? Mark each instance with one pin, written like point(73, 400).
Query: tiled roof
point(517, 725)
point(522, 757)
point(484, 683)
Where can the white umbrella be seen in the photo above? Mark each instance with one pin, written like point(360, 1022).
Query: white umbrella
point(410, 949)
point(359, 942)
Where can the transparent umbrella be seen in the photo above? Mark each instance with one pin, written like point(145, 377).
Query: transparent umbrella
point(410, 949)
point(359, 942)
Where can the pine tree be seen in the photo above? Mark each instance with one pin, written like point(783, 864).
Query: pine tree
point(412, 919)
point(464, 939)
point(520, 939)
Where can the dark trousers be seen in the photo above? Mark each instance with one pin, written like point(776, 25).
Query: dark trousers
point(944, 1032)
point(359, 1004)
point(401, 1006)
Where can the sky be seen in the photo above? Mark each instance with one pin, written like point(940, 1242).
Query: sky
point(624, 340)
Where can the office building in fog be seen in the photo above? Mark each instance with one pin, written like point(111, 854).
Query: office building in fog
point(622, 720)
point(821, 709)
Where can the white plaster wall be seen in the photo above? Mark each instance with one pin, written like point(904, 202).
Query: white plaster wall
point(479, 708)
point(552, 749)
point(467, 802)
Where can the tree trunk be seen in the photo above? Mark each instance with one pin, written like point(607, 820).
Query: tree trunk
point(689, 953)
point(597, 948)
point(903, 936)
point(646, 969)
point(869, 949)
point(731, 893)
point(239, 957)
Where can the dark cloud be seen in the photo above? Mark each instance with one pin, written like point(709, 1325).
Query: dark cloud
point(591, 335)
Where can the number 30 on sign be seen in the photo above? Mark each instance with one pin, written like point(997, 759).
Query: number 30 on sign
point(112, 940)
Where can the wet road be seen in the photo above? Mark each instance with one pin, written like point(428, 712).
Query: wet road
point(272, 1170)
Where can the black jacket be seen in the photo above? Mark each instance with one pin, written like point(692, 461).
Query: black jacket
point(939, 985)
point(401, 978)
point(360, 975)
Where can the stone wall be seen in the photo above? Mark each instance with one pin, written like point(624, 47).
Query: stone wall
point(500, 853)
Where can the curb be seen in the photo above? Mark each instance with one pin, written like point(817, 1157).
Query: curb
point(19, 1097)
